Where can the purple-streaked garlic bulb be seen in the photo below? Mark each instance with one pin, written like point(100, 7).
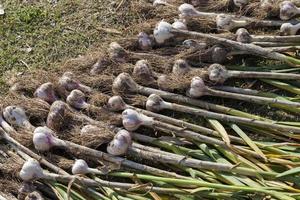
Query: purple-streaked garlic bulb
point(162, 82)
point(132, 120)
point(240, 3)
point(162, 32)
point(180, 24)
point(197, 88)
point(81, 167)
point(120, 143)
point(56, 116)
point(143, 72)
point(226, 22)
point(181, 67)
point(187, 10)
point(124, 83)
point(243, 36)
point(16, 116)
point(46, 92)
point(44, 139)
point(145, 42)
point(68, 82)
point(76, 99)
point(217, 73)
point(288, 10)
point(117, 53)
point(289, 29)
point(31, 170)
point(116, 103)
point(155, 103)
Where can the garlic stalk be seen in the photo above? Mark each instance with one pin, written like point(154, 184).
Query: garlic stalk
point(116, 104)
point(32, 171)
point(44, 139)
point(164, 31)
point(155, 103)
point(124, 84)
point(220, 74)
point(243, 36)
point(198, 89)
point(138, 119)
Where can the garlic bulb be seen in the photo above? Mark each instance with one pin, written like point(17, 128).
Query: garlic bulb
point(124, 83)
point(217, 73)
point(116, 103)
point(180, 67)
point(120, 144)
point(56, 116)
point(289, 29)
point(80, 167)
point(117, 53)
point(144, 41)
point(187, 10)
point(155, 103)
point(226, 22)
point(76, 99)
point(46, 92)
point(240, 3)
point(288, 10)
point(180, 24)
point(143, 72)
point(44, 139)
point(197, 87)
point(243, 36)
point(162, 82)
point(132, 120)
point(16, 116)
point(162, 32)
point(68, 82)
point(31, 170)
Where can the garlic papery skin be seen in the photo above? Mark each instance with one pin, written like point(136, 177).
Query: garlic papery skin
point(76, 99)
point(144, 41)
point(181, 67)
point(240, 3)
point(288, 10)
point(116, 103)
point(226, 22)
point(46, 92)
point(31, 170)
point(124, 83)
point(132, 120)
point(189, 43)
point(68, 82)
point(155, 103)
point(16, 116)
point(197, 88)
point(217, 73)
point(243, 36)
point(289, 29)
point(162, 32)
point(120, 144)
point(44, 139)
point(81, 167)
point(56, 116)
point(180, 24)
